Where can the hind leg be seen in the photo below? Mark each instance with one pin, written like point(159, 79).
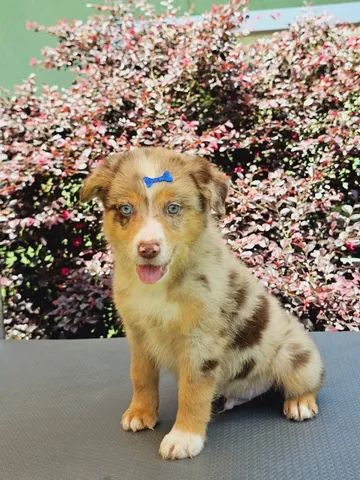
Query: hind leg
point(299, 372)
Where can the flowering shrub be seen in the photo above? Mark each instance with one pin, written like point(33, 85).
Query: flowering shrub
point(291, 232)
point(281, 117)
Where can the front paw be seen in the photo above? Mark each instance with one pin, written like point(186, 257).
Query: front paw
point(179, 444)
point(136, 419)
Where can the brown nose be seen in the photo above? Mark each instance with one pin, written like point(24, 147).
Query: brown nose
point(149, 249)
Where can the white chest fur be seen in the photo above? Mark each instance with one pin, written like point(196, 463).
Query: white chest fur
point(156, 318)
point(153, 303)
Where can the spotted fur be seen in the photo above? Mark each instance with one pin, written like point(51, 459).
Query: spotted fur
point(245, 369)
point(209, 365)
point(207, 318)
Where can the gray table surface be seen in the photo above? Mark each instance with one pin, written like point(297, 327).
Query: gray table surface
point(61, 400)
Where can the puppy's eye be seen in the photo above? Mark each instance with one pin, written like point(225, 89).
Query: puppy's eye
point(126, 209)
point(173, 209)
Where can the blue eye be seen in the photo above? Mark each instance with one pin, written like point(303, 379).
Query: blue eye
point(126, 210)
point(173, 209)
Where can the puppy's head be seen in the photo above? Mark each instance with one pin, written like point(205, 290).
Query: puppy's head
point(156, 205)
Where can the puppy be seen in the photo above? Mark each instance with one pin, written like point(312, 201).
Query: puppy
point(188, 305)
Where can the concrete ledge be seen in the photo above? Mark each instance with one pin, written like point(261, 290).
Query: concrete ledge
point(280, 19)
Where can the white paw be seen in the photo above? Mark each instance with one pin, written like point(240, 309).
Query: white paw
point(300, 412)
point(300, 409)
point(178, 444)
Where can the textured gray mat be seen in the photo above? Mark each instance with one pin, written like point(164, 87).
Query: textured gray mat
point(60, 404)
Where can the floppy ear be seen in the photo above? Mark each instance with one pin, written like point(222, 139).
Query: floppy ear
point(97, 183)
point(213, 184)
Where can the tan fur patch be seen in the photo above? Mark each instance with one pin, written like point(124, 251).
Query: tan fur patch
point(143, 410)
point(237, 293)
point(122, 233)
point(233, 277)
point(300, 357)
point(177, 278)
point(209, 365)
point(191, 313)
point(99, 181)
point(223, 332)
point(195, 396)
point(251, 333)
point(247, 367)
point(203, 280)
point(240, 296)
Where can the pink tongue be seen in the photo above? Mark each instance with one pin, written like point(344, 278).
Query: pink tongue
point(149, 273)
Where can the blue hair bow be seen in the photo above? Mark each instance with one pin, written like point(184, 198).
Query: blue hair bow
point(165, 177)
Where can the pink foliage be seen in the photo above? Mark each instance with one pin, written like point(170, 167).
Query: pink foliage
point(289, 232)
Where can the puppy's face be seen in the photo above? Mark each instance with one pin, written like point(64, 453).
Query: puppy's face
point(152, 225)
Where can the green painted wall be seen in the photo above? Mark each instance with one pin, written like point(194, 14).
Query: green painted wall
point(17, 45)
